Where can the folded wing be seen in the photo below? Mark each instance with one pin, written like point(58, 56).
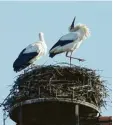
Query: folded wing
point(25, 57)
point(64, 44)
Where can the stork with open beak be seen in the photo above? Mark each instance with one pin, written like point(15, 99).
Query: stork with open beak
point(71, 41)
point(30, 54)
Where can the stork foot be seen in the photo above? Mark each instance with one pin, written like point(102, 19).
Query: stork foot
point(81, 60)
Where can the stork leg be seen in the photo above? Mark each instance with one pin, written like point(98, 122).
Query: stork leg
point(79, 59)
point(69, 57)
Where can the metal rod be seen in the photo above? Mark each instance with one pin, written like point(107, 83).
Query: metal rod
point(73, 94)
point(77, 114)
point(4, 117)
point(20, 116)
point(39, 91)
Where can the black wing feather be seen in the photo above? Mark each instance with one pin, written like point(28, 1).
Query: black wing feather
point(23, 60)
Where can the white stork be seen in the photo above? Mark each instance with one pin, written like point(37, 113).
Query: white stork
point(30, 54)
point(71, 41)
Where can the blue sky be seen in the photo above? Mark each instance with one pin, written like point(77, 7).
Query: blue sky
point(20, 23)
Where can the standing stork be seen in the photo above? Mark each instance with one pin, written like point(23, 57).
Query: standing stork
point(71, 41)
point(30, 54)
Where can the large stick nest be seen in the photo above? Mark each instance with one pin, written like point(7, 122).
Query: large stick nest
point(58, 82)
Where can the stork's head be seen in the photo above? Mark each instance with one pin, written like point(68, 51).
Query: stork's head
point(71, 28)
point(41, 36)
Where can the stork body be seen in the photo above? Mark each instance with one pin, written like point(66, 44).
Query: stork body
point(71, 41)
point(30, 54)
point(67, 43)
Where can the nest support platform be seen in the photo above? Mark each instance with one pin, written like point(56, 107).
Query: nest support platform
point(51, 111)
point(55, 95)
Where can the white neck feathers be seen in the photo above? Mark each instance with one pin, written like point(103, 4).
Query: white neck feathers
point(82, 29)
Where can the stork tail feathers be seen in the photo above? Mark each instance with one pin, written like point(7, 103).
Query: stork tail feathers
point(52, 55)
point(17, 66)
point(17, 69)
